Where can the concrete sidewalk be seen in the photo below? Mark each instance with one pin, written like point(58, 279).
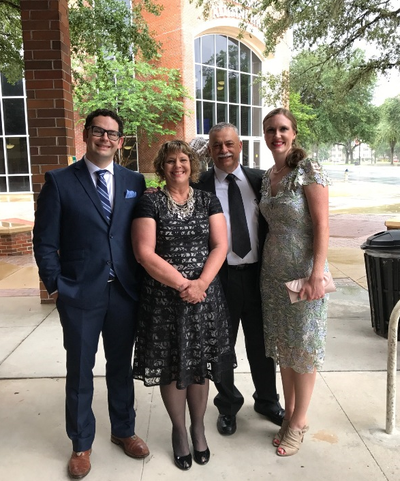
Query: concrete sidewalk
point(347, 417)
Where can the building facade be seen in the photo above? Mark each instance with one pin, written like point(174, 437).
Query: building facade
point(218, 69)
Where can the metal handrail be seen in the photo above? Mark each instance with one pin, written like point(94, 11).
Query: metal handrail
point(392, 369)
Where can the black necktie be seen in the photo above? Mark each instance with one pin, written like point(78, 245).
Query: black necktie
point(240, 232)
point(102, 190)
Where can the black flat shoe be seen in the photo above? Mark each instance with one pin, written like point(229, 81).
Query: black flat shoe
point(226, 425)
point(183, 462)
point(202, 457)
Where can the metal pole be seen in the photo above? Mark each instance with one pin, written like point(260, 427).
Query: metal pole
point(392, 369)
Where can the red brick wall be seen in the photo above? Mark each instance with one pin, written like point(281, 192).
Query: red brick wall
point(17, 244)
point(174, 29)
point(45, 32)
point(80, 146)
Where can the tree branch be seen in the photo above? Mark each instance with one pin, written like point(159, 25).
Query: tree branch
point(10, 4)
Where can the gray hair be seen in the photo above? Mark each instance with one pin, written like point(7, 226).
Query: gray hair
point(221, 126)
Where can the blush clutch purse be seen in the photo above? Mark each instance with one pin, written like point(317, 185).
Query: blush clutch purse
point(294, 287)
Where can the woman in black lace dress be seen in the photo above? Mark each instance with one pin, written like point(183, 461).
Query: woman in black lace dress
point(183, 340)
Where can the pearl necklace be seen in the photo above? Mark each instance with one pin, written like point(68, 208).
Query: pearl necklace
point(182, 211)
point(276, 172)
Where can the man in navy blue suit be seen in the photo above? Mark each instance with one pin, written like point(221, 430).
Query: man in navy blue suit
point(82, 245)
point(240, 279)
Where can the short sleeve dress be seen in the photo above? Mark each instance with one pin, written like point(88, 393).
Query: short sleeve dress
point(294, 334)
point(178, 341)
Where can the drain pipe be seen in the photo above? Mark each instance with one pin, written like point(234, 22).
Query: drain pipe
point(392, 369)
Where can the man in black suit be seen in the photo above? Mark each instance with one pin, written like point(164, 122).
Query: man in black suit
point(240, 279)
point(82, 245)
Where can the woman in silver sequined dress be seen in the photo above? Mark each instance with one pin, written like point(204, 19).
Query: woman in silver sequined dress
point(183, 340)
point(295, 204)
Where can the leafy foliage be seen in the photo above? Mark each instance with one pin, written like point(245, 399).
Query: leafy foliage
point(107, 25)
point(112, 55)
point(388, 127)
point(111, 26)
point(154, 183)
point(339, 117)
point(113, 63)
point(336, 28)
point(305, 117)
point(11, 59)
point(147, 98)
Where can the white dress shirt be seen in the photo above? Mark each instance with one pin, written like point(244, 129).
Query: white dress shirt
point(250, 207)
point(108, 177)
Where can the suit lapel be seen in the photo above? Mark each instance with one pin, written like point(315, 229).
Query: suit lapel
point(118, 188)
point(208, 181)
point(84, 178)
point(254, 180)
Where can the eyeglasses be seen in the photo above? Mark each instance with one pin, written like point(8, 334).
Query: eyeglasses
point(99, 132)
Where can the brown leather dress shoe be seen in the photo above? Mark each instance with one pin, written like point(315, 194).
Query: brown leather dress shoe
point(132, 446)
point(79, 464)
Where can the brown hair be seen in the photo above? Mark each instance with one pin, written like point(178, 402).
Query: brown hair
point(296, 153)
point(177, 146)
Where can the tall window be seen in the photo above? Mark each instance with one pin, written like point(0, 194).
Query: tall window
point(14, 152)
point(226, 90)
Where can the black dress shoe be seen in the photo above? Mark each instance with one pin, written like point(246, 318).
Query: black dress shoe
point(183, 462)
point(275, 413)
point(226, 425)
point(202, 457)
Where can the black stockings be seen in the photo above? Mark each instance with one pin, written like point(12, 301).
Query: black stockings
point(196, 396)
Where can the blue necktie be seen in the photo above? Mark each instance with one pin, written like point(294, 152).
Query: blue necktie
point(240, 232)
point(103, 193)
point(102, 190)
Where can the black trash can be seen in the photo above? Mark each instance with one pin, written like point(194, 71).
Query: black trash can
point(382, 263)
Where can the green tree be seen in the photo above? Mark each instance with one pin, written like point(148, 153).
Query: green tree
point(388, 127)
point(147, 98)
point(94, 24)
point(306, 123)
point(337, 27)
point(114, 66)
point(341, 117)
point(108, 26)
point(113, 57)
point(11, 59)
point(305, 118)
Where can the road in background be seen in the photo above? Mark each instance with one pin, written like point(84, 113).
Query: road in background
point(382, 174)
point(364, 189)
point(361, 202)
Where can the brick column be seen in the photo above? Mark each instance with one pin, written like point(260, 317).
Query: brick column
point(48, 86)
point(174, 29)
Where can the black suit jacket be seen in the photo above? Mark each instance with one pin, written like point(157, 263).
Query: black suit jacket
point(73, 242)
point(254, 176)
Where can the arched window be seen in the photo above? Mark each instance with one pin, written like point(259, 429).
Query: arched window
point(226, 91)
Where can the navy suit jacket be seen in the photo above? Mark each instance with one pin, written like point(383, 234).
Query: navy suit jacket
point(254, 176)
point(73, 242)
